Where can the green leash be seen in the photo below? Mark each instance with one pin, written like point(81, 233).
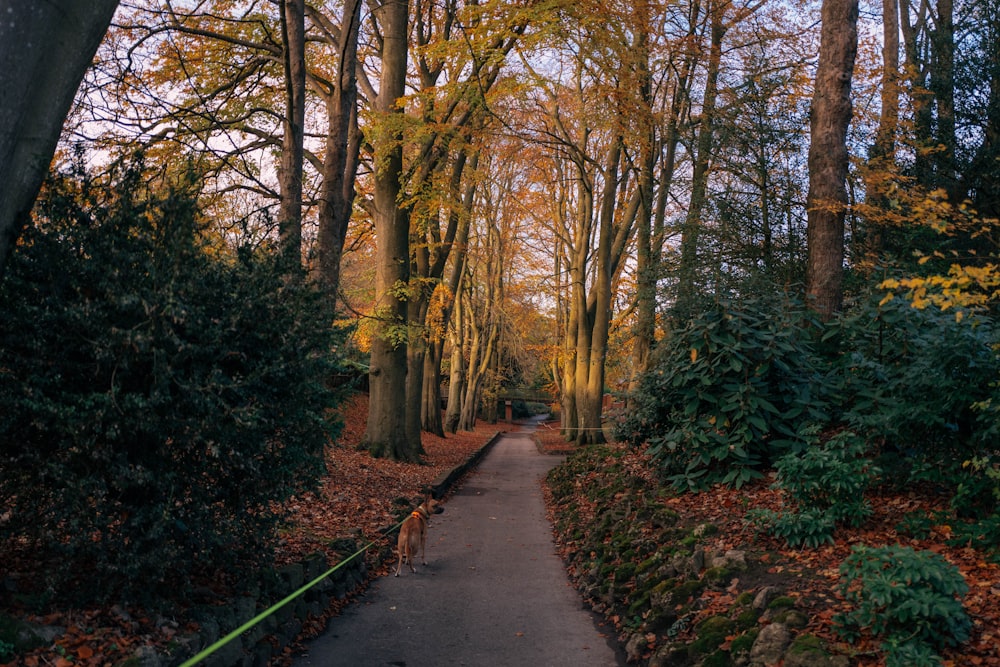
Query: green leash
point(275, 607)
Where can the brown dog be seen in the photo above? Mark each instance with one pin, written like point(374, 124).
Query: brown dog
point(413, 534)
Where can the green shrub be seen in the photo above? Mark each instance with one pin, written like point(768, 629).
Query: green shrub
point(988, 415)
point(982, 534)
point(831, 477)
point(159, 394)
point(977, 492)
point(917, 525)
point(825, 484)
point(910, 654)
point(915, 381)
point(975, 520)
point(729, 393)
point(910, 599)
point(799, 528)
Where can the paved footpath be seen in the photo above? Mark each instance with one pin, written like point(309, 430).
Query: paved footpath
point(494, 592)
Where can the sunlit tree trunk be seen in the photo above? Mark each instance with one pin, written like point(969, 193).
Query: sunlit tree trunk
point(456, 384)
point(831, 115)
point(482, 358)
point(599, 315)
point(45, 49)
point(578, 326)
point(385, 434)
point(461, 222)
point(483, 313)
point(647, 261)
point(473, 373)
point(555, 365)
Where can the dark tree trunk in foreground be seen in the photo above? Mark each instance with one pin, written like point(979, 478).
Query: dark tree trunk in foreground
point(386, 431)
point(45, 49)
point(830, 117)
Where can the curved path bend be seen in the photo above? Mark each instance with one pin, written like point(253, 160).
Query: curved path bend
point(494, 592)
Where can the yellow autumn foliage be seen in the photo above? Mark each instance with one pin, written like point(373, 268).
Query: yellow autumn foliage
point(963, 288)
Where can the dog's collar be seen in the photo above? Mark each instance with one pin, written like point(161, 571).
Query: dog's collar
point(418, 514)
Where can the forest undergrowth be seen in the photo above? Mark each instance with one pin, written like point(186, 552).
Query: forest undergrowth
point(621, 480)
point(360, 497)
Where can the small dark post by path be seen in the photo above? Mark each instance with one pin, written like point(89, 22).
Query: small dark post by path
point(494, 592)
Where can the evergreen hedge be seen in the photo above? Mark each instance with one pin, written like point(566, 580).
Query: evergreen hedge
point(161, 395)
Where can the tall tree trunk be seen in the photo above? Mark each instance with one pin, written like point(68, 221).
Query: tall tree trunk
point(340, 164)
point(570, 420)
point(416, 314)
point(882, 160)
point(482, 357)
point(45, 49)
point(943, 87)
point(292, 146)
point(578, 325)
point(690, 232)
point(385, 434)
point(430, 400)
point(831, 115)
point(596, 339)
point(679, 105)
point(888, 122)
point(565, 361)
point(555, 363)
point(460, 222)
point(484, 319)
point(473, 375)
point(913, 21)
point(647, 266)
point(647, 263)
point(456, 383)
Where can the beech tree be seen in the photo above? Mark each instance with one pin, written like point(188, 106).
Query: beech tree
point(269, 79)
point(460, 51)
point(482, 317)
point(385, 433)
point(649, 234)
point(585, 121)
point(339, 166)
